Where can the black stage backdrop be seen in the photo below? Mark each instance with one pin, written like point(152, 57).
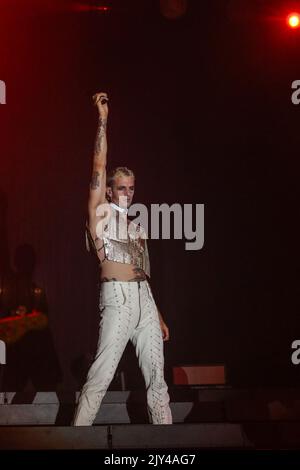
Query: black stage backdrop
point(201, 110)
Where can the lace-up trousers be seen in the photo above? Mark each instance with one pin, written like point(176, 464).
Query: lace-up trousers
point(127, 312)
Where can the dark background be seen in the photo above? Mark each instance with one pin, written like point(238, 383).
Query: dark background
point(200, 109)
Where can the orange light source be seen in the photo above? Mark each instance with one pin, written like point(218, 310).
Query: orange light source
point(293, 20)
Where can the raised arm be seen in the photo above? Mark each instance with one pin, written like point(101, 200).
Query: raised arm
point(98, 180)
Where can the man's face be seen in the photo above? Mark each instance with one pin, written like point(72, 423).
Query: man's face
point(123, 187)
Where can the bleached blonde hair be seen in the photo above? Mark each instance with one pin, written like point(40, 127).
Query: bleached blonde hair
point(119, 171)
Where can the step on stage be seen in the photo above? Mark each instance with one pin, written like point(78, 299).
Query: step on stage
point(204, 418)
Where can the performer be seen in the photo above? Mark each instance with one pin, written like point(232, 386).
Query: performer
point(127, 308)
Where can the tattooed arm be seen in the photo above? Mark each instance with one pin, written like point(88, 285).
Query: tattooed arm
point(98, 179)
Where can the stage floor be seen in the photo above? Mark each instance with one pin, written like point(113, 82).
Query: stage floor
point(204, 417)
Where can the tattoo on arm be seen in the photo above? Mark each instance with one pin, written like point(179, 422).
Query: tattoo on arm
point(101, 132)
point(95, 182)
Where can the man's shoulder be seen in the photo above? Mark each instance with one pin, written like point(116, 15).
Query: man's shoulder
point(101, 212)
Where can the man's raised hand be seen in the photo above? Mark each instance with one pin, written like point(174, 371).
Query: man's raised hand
point(100, 100)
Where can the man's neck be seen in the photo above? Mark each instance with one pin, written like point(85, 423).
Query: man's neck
point(124, 210)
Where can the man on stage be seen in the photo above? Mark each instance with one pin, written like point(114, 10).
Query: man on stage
point(127, 308)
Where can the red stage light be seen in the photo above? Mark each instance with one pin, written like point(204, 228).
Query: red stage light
point(293, 20)
point(102, 8)
point(85, 7)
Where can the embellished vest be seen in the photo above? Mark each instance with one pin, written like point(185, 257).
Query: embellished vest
point(122, 241)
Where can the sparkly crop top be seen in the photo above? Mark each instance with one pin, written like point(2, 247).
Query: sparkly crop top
point(120, 244)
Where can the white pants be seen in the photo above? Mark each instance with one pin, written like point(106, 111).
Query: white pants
point(127, 312)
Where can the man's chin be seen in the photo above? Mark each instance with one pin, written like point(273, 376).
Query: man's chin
point(128, 204)
point(123, 205)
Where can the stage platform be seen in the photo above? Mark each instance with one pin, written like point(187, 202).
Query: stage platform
point(204, 417)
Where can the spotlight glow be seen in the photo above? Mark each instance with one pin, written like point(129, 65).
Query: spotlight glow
point(293, 20)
